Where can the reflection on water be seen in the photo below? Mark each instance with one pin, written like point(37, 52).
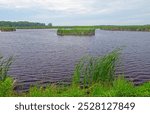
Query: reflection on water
point(42, 57)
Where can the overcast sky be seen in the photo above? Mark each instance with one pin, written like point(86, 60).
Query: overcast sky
point(77, 12)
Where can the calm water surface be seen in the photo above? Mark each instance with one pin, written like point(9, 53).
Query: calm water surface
point(42, 57)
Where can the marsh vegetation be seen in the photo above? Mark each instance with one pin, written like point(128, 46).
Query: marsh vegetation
point(75, 29)
point(110, 27)
point(126, 28)
point(7, 29)
point(76, 32)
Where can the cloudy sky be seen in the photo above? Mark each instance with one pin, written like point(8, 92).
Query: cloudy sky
point(77, 12)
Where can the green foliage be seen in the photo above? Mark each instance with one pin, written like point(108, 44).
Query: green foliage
point(7, 29)
point(123, 88)
point(49, 91)
point(56, 91)
point(109, 27)
point(36, 25)
point(4, 67)
point(120, 88)
point(6, 88)
point(96, 69)
point(101, 90)
point(143, 90)
point(125, 28)
point(74, 91)
point(20, 24)
point(6, 83)
point(76, 32)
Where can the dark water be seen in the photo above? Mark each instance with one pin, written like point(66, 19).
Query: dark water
point(42, 57)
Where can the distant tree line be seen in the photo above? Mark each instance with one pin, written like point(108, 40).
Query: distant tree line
point(22, 24)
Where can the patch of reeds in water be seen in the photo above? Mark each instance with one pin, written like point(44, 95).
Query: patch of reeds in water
point(7, 29)
point(76, 32)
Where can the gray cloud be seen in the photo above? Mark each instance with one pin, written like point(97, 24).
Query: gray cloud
point(78, 11)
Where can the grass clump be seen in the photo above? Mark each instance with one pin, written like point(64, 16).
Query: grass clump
point(123, 88)
point(6, 83)
point(144, 90)
point(6, 88)
point(4, 67)
point(96, 69)
point(7, 29)
point(76, 32)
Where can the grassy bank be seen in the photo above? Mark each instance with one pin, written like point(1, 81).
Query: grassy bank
point(145, 28)
point(116, 28)
point(93, 77)
point(125, 28)
point(7, 29)
point(82, 28)
point(76, 32)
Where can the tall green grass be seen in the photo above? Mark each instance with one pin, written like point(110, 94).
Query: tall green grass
point(6, 83)
point(91, 70)
point(6, 88)
point(4, 67)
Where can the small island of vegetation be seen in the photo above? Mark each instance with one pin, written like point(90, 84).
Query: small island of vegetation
point(76, 32)
point(25, 25)
point(7, 29)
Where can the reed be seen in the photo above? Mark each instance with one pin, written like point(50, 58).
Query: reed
point(91, 70)
point(6, 83)
point(4, 67)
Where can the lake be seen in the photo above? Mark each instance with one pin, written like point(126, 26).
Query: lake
point(41, 57)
